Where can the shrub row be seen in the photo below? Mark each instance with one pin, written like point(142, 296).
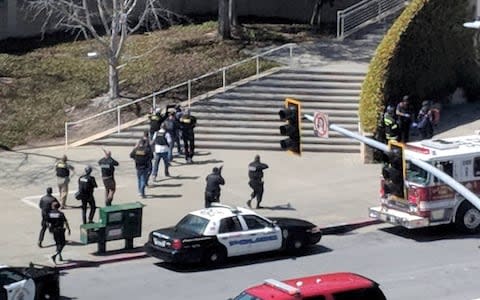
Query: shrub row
point(426, 54)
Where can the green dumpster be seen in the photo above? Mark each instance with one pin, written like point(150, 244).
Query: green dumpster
point(92, 233)
point(117, 222)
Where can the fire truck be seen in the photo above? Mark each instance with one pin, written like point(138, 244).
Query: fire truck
point(424, 199)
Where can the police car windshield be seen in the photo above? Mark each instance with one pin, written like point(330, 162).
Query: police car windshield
point(192, 223)
point(416, 174)
point(8, 277)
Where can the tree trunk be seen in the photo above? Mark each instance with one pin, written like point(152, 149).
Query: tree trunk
point(316, 14)
point(223, 21)
point(113, 85)
point(232, 12)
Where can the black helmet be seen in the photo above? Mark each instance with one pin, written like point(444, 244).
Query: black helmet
point(216, 170)
point(390, 109)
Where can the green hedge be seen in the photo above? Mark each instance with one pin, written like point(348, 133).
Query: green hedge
point(426, 54)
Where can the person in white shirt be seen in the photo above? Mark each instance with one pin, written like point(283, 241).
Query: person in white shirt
point(162, 141)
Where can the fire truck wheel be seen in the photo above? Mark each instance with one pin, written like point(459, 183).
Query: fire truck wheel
point(467, 218)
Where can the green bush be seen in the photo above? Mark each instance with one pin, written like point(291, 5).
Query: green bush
point(426, 54)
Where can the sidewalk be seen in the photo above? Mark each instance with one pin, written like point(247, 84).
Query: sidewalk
point(322, 188)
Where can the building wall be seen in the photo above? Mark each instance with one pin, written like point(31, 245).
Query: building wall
point(13, 22)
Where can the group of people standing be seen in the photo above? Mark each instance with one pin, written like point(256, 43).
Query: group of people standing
point(397, 121)
point(166, 131)
point(255, 175)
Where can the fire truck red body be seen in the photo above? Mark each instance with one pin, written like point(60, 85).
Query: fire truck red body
point(428, 201)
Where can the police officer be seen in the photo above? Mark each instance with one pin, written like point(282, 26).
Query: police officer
point(156, 120)
point(86, 185)
point(45, 206)
point(58, 222)
point(404, 119)
point(142, 155)
point(62, 169)
point(187, 124)
point(212, 190)
point(107, 166)
point(255, 174)
point(390, 124)
point(172, 126)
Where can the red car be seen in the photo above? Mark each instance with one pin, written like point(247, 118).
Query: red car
point(334, 286)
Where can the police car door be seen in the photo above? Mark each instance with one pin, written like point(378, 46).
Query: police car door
point(263, 235)
point(232, 236)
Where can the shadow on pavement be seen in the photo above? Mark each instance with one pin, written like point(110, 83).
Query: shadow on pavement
point(277, 207)
point(150, 196)
point(166, 185)
point(74, 243)
point(67, 298)
point(430, 234)
point(244, 260)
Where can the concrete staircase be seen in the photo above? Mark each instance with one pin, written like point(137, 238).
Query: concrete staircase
point(246, 117)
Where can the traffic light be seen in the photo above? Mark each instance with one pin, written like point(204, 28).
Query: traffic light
point(292, 115)
point(395, 172)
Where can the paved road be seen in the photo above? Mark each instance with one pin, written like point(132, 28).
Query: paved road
point(421, 264)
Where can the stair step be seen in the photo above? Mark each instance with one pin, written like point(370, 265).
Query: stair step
point(287, 91)
point(311, 140)
point(277, 103)
point(324, 72)
point(317, 77)
point(240, 95)
point(206, 117)
point(272, 83)
point(231, 111)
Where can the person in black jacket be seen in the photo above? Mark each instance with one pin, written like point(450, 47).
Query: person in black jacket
point(187, 124)
point(86, 185)
point(156, 120)
point(107, 166)
point(255, 175)
point(212, 190)
point(58, 222)
point(45, 206)
point(142, 154)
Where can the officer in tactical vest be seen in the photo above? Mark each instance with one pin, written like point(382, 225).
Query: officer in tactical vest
point(187, 124)
point(162, 140)
point(390, 124)
point(212, 190)
point(62, 170)
point(255, 175)
point(58, 222)
point(107, 166)
point(45, 206)
point(86, 185)
point(142, 155)
point(156, 119)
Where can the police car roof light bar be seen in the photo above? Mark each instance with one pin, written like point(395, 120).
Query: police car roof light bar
point(282, 286)
point(234, 210)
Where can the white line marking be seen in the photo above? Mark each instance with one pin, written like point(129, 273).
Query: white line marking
point(33, 200)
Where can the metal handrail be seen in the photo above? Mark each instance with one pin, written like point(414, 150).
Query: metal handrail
point(361, 14)
point(188, 83)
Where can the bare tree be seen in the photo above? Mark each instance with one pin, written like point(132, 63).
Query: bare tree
point(109, 23)
point(316, 18)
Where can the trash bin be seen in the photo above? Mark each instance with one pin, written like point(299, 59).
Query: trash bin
point(122, 221)
point(92, 233)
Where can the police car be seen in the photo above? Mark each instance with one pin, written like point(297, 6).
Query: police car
point(213, 234)
point(29, 283)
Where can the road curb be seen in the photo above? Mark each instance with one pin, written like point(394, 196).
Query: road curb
point(326, 230)
point(346, 227)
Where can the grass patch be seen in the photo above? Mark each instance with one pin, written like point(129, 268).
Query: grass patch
point(42, 86)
